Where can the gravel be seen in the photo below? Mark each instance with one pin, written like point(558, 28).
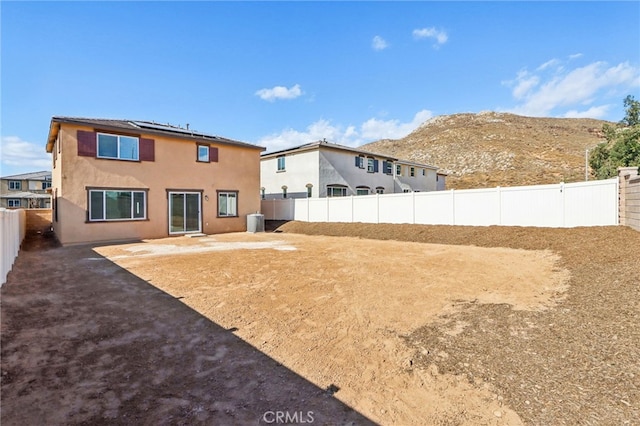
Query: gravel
point(575, 363)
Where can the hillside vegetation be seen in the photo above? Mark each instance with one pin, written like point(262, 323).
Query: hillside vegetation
point(498, 149)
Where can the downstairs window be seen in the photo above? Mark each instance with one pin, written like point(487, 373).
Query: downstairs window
point(105, 205)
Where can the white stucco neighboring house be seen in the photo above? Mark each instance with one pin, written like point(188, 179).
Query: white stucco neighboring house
point(324, 169)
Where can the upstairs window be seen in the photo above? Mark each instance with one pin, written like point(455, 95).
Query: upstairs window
point(424, 172)
point(387, 167)
point(203, 153)
point(372, 165)
point(360, 161)
point(118, 147)
point(412, 171)
point(281, 164)
point(15, 185)
point(398, 169)
point(46, 184)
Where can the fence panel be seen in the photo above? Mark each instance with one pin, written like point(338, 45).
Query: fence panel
point(540, 205)
point(340, 209)
point(592, 203)
point(13, 226)
point(476, 207)
point(396, 208)
point(434, 208)
point(365, 208)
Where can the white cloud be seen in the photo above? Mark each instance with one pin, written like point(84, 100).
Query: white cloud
point(593, 112)
point(440, 36)
point(378, 43)
point(548, 64)
point(374, 129)
point(371, 130)
point(18, 153)
point(525, 84)
point(583, 91)
point(279, 92)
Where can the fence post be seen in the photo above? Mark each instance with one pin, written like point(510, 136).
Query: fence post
point(352, 215)
point(453, 207)
point(499, 190)
point(564, 208)
point(413, 207)
point(377, 208)
point(328, 209)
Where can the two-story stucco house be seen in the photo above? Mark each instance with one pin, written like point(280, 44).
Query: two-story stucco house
point(26, 190)
point(123, 179)
point(323, 169)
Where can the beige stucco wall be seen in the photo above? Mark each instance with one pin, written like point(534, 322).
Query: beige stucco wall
point(38, 220)
point(175, 168)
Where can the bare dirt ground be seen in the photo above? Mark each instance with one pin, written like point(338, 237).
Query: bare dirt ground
point(433, 325)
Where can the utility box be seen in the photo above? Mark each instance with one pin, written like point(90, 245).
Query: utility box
point(255, 223)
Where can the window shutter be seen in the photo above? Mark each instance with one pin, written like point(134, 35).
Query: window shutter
point(375, 166)
point(147, 149)
point(213, 154)
point(357, 161)
point(86, 143)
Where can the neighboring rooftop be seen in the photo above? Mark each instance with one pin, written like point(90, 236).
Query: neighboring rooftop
point(324, 144)
point(43, 175)
point(141, 126)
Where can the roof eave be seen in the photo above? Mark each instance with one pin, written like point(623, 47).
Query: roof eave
point(54, 128)
point(212, 139)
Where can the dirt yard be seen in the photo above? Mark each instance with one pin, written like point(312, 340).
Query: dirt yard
point(394, 324)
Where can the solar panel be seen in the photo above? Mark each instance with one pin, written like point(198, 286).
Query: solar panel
point(169, 128)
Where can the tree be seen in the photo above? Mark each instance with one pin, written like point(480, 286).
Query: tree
point(622, 148)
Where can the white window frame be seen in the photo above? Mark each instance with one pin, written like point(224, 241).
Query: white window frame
point(15, 185)
point(118, 145)
point(332, 188)
point(103, 217)
point(201, 154)
point(232, 208)
point(46, 185)
point(371, 165)
point(365, 189)
point(398, 170)
point(361, 162)
point(281, 164)
point(380, 190)
point(14, 202)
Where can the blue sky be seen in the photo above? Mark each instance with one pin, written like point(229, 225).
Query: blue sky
point(279, 74)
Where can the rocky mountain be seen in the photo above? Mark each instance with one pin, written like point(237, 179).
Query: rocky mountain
point(491, 149)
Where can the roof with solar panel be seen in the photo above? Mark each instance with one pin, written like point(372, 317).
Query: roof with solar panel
point(151, 127)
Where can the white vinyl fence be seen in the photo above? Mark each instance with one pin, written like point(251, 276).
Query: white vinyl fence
point(593, 203)
point(13, 226)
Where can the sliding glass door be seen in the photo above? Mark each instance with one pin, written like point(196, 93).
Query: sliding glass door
point(184, 212)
